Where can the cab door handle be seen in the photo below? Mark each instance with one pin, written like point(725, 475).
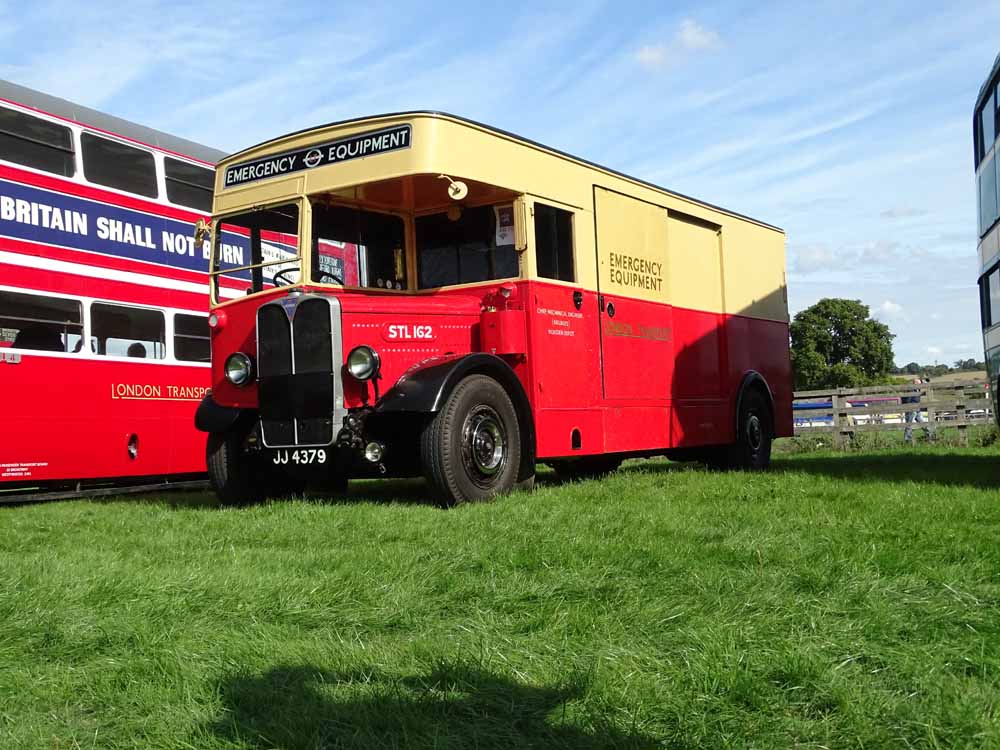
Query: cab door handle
point(578, 299)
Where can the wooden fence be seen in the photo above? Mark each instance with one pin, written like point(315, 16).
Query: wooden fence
point(843, 412)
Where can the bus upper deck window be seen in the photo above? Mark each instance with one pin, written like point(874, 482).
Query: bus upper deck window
point(36, 143)
point(117, 165)
point(188, 184)
point(554, 242)
point(33, 321)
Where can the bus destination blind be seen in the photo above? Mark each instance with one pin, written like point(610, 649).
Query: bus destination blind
point(344, 149)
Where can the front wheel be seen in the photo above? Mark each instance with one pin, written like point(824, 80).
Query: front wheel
point(471, 449)
point(230, 472)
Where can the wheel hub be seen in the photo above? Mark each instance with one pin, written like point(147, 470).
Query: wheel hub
point(484, 444)
point(755, 433)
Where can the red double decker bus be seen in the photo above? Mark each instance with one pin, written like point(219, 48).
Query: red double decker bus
point(104, 348)
point(428, 295)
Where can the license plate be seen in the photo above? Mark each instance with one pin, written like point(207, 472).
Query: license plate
point(299, 457)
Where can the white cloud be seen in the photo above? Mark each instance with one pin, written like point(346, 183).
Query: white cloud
point(934, 351)
point(690, 37)
point(890, 309)
point(652, 56)
point(813, 258)
point(693, 36)
point(903, 212)
point(880, 251)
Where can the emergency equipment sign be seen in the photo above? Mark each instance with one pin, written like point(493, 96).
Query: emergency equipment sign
point(342, 149)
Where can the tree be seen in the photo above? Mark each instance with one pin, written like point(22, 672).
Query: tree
point(836, 343)
point(912, 368)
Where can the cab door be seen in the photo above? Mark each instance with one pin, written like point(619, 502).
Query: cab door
point(636, 321)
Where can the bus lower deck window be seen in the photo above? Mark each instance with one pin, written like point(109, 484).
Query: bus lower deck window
point(554, 242)
point(121, 331)
point(41, 323)
point(192, 341)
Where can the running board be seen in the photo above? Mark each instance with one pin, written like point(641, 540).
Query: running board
point(41, 496)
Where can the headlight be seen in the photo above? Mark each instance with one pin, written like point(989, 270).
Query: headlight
point(239, 368)
point(363, 362)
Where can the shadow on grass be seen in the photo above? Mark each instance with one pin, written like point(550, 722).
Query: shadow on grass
point(377, 491)
point(946, 469)
point(956, 470)
point(300, 708)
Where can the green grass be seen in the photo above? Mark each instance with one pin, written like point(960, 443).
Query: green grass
point(841, 601)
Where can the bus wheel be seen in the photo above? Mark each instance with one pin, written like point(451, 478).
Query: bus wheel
point(230, 472)
point(588, 467)
point(471, 449)
point(755, 431)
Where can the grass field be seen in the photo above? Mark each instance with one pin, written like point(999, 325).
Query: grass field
point(841, 601)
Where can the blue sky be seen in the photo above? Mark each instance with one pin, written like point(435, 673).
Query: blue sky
point(847, 124)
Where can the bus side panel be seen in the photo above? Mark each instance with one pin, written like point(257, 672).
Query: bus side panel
point(67, 419)
point(762, 346)
point(701, 414)
point(565, 381)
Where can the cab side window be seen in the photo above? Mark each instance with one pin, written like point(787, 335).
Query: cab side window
point(554, 243)
point(464, 248)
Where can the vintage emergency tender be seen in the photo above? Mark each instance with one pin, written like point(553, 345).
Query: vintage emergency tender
point(428, 295)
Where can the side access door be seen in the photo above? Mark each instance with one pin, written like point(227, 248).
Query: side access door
point(636, 320)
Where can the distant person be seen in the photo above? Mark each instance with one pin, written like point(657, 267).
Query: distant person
point(136, 350)
point(40, 337)
point(915, 415)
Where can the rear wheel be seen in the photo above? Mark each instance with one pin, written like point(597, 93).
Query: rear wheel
point(586, 467)
point(471, 449)
point(754, 435)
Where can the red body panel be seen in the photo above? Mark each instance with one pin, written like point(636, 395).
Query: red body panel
point(69, 417)
point(72, 419)
point(650, 378)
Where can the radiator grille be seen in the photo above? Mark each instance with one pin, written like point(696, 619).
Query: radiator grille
point(298, 348)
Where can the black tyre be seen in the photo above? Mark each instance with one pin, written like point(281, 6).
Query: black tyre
point(471, 450)
point(754, 434)
point(230, 472)
point(587, 467)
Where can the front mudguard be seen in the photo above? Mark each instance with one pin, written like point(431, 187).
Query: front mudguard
point(213, 418)
point(426, 388)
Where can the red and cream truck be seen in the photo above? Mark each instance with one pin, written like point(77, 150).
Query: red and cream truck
point(425, 295)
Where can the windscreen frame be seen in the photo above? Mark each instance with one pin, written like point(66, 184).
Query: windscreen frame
point(215, 272)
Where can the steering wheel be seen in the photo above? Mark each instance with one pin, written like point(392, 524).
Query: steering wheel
point(280, 281)
point(335, 277)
